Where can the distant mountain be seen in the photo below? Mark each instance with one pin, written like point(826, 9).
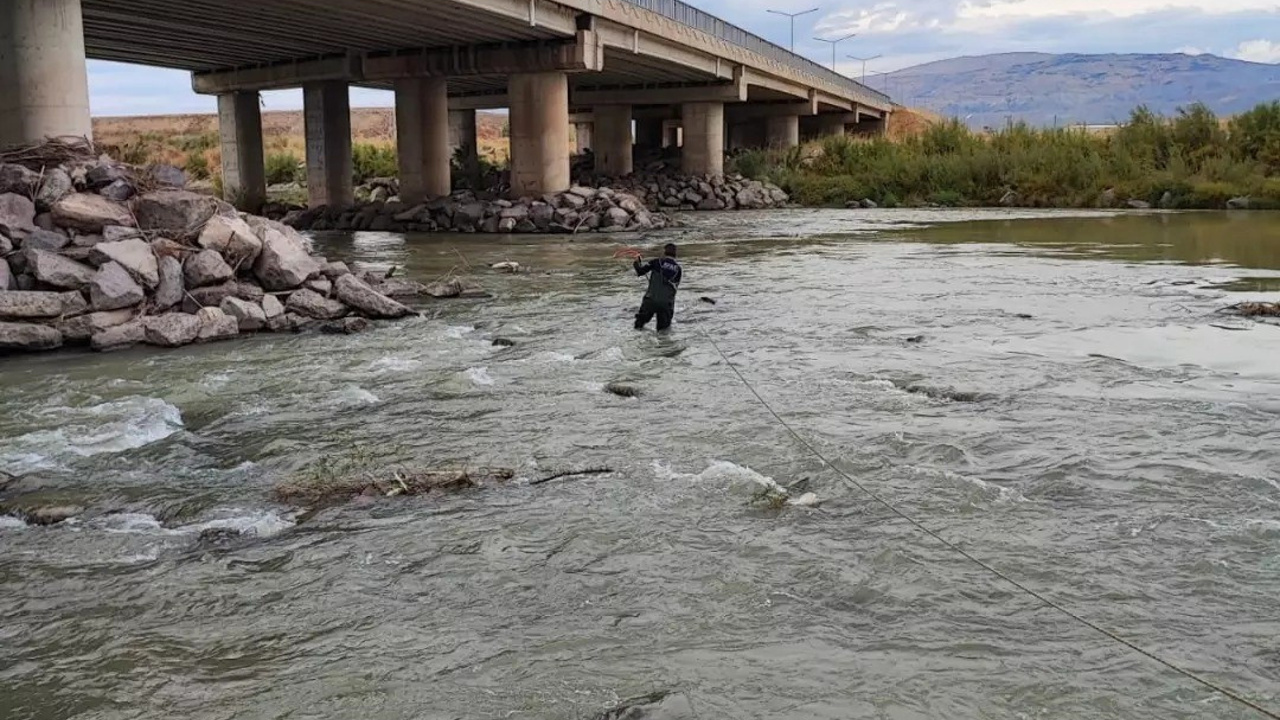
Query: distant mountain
point(1042, 89)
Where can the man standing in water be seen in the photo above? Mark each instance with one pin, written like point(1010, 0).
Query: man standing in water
point(664, 279)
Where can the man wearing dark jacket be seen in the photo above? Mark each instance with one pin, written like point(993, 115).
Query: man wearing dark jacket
point(664, 279)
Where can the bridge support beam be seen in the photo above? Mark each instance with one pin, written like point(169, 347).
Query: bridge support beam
point(327, 118)
point(422, 138)
point(703, 138)
point(539, 132)
point(582, 132)
point(462, 136)
point(44, 85)
point(782, 131)
point(244, 175)
point(613, 140)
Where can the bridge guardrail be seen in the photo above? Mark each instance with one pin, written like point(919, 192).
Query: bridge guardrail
point(693, 17)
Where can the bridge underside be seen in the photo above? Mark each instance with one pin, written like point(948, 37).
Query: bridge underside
point(616, 64)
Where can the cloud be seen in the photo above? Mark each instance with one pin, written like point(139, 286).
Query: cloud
point(1261, 51)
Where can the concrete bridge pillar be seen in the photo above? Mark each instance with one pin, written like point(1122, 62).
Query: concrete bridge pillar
point(44, 84)
point(582, 133)
point(422, 138)
point(649, 133)
point(327, 119)
point(782, 131)
point(244, 174)
point(613, 140)
point(703, 138)
point(539, 132)
point(462, 135)
point(831, 125)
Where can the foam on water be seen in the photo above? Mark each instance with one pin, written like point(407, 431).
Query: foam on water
point(394, 364)
point(737, 479)
point(125, 424)
point(457, 332)
point(354, 396)
point(258, 523)
point(479, 376)
point(8, 522)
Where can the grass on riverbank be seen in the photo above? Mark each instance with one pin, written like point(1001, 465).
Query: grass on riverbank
point(1193, 157)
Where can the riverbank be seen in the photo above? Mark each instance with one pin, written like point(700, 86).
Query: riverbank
point(1192, 161)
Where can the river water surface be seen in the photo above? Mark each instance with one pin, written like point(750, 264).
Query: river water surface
point(1055, 394)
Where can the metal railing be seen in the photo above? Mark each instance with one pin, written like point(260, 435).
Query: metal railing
point(693, 17)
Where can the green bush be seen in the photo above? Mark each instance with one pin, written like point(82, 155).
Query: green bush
point(197, 166)
point(372, 161)
point(283, 167)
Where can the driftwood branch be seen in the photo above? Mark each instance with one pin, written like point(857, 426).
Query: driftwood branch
point(572, 473)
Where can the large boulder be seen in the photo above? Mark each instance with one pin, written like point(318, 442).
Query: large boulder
point(7, 280)
point(355, 292)
point(113, 288)
point(233, 238)
point(119, 336)
point(283, 263)
point(171, 329)
point(17, 179)
point(177, 213)
point(38, 239)
point(17, 213)
point(55, 186)
point(206, 268)
point(272, 307)
point(90, 213)
point(73, 303)
point(28, 337)
point(249, 316)
point(170, 289)
point(215, 325)
point(104, 174)
point(134, 255)
point(314, 305)
point(211, 296)
point(53, 269)
point(82, 329)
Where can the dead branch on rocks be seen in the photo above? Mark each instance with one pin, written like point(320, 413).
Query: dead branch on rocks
point(1253, 309)
point(329, 490)
point(51, 153)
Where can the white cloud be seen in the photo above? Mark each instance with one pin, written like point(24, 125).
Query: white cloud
point(1262, 51)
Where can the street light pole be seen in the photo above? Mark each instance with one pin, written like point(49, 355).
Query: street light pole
point(793, 17)
point(864, 62)
point(835, 42)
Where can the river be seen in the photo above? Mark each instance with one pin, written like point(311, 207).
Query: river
point(1054, 392)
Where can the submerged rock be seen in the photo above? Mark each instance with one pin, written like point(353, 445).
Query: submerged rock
point(346, 326)
point(356, 293)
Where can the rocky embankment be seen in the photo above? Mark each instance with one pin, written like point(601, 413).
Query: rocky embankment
point(96, 253)
point(636, 203)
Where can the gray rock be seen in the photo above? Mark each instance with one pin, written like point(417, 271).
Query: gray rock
point(170, 289)
point(1139, 205)
point(246, 290)
point(90, 213)
point(177, 213)
point(335, 270)
point(113, 288)
point(507, 225)
point(542, 216)
point(7, 280)
point(28, 337)
point(1107, 199)
point(272, 307)
point(51, 515)
point(468, 216)
point(712, 203)
point(617, 217)
point(167, 176)
point(283, 264)
point(6, 245)
point(120, 336)
point(289, 322)
point(38, 239)
point(313, 305)
point(17, 213)
point(572, 201)
point(248, 316)
point(585, 193)
point(215, 325)
point(81, 329)
point(1239, 203)
point(234, 238)
point(53, 269)
point(116, 233)
point(73, 303)
point(86, 240)
point(367, 301)
point(206, 268)
point(321, 285)
point(518, 212)
point(56, 185)
point(134, 255)
point(104, 174)
point(1010, 199)
point(171, 329)
point(17, 179)
point(164, 247)
point(346, 326)
point(211, 296)
point(120, 191)
point(869, 204)
point(25, 282)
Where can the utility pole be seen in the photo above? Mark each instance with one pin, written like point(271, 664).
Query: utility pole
point(835, 42)
point(864, 62)
point(793, 17)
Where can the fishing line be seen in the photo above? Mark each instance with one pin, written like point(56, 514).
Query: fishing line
point(1224, 691)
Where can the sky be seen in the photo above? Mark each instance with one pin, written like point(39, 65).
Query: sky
point(902, 33)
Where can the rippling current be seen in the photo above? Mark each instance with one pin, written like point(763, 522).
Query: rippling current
point(1057, 395)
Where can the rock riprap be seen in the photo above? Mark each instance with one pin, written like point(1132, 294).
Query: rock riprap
point(105, 255)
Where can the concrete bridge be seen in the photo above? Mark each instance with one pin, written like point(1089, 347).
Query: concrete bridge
point(642, 72)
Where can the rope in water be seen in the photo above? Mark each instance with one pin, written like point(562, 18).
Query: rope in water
point(1226, 692)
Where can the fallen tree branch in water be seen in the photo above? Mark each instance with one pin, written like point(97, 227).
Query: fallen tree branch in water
point(1253, 309)
point(572, 473)
point(329, 489)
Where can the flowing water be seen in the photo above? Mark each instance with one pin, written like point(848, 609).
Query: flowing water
point(1055, 394)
